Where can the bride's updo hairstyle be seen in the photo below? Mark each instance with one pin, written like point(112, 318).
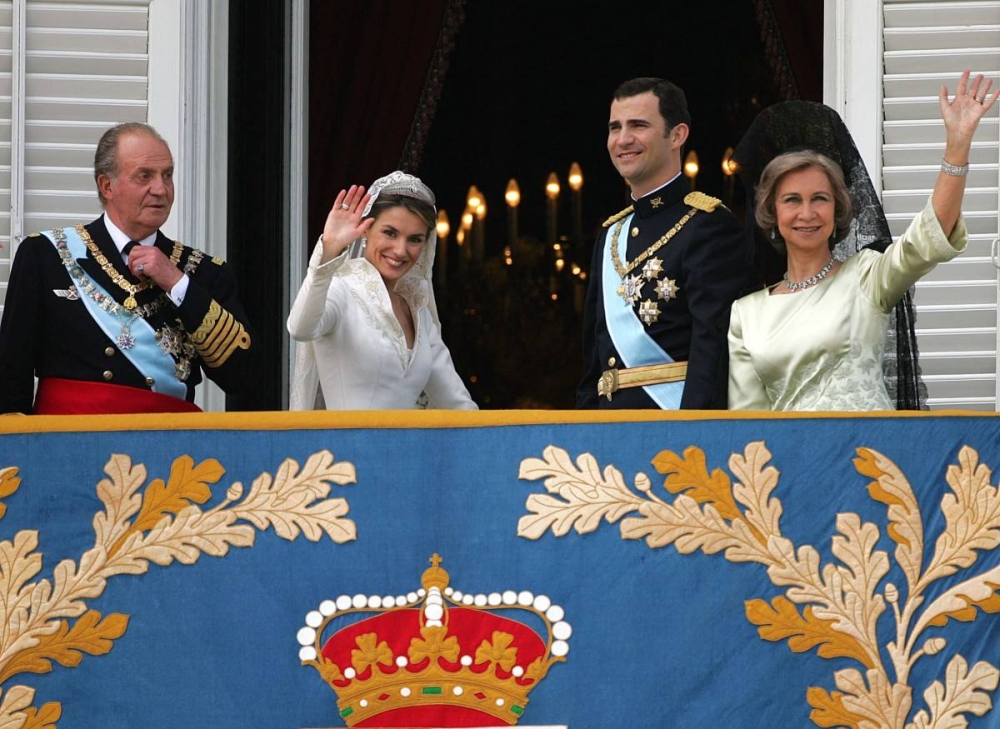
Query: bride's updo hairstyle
point(420, 208)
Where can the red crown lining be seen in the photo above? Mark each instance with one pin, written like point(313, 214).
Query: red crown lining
point(398, 628)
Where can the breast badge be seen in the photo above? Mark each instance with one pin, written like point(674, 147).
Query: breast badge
point(69, 294)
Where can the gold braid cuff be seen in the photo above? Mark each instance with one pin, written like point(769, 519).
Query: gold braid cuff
point(219, 335)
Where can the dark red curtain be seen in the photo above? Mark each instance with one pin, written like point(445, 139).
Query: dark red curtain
point(792, 32)
point(376, 69)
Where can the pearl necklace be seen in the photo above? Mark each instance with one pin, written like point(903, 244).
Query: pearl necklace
point(811, 281)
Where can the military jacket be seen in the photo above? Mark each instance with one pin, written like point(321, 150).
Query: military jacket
point(683, 302)
point(46, 330)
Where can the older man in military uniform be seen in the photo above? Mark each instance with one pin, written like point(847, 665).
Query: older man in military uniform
point(114, 317)
point(665, 272)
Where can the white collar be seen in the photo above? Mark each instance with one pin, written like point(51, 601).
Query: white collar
point(120, 239)
point(660, 187)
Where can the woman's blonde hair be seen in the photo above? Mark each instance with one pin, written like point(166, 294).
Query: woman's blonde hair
point(777, 168)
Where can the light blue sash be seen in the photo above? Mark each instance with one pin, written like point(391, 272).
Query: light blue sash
point(146, 355)
point(635, 347)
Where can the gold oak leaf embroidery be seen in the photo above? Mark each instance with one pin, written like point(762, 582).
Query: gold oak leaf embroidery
point(188, 484)
point(581, 495)
point(43, 718)
point(689, 474)
point(499, 651)
point(9, 482)
point(37, 634)
point(841, 601)
point(828, 709)
point(967, 612)
point(964, 691)
point(370, 652)
point(781, 620)
point(66, 646)
point(434, 645)
point(905, 528)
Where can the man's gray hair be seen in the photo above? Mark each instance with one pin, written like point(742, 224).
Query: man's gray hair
point(106, 156)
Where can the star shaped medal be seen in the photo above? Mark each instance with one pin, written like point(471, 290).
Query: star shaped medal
point(629, 289)
point(667, 288)
point(649, 311)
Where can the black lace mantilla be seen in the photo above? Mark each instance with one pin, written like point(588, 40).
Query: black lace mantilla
point(809, 125)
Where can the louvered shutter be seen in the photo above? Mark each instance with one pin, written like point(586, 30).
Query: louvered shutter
point(6, 98)
point(928, 44)
point(84, 69)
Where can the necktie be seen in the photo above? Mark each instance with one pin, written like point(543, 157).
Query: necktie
point(128, 248)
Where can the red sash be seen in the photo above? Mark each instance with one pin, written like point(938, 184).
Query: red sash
point(57, 396)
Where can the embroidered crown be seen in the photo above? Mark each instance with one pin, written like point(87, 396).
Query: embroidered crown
point(435, 656)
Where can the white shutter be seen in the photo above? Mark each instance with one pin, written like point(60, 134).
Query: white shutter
point(6, 98)
point(928, 44)
point(84, 69)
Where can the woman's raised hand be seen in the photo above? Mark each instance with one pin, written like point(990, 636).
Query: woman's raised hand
point(972, 101)
point(344, 223)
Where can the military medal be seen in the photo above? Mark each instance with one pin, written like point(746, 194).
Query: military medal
point(652, 269)
point(70, 294)
point(125, 340)
point(175, 342)
point(649, 311)
point(667, 288)
point(631, 285)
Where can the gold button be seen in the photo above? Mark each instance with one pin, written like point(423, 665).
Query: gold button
point(109, 352)
point(150, 382)
point(108, 375)
point(611, 361)
point(635, 232)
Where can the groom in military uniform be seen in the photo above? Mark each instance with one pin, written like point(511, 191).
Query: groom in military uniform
point(113, 316)
point(665, 271)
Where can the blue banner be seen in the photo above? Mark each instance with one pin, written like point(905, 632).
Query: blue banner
point(634, 569)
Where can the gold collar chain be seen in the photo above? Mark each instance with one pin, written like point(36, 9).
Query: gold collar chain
point(119, 278)
point(624, 270)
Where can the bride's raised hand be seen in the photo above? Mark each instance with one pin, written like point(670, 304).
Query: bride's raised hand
point(344, 223)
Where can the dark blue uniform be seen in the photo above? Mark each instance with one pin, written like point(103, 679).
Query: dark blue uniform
point(707, 260)
point(46, 332)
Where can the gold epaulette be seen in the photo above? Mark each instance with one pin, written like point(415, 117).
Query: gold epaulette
point(701, 201)
point(617, 216)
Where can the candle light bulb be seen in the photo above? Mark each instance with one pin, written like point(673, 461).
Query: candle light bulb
point(691, 164)
point(474, 199)
point(443, 224)
point(575, 177)
point(513, 194)
point(467, 219)
point(729, 165)
point(481, 211)
point(552, 187)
